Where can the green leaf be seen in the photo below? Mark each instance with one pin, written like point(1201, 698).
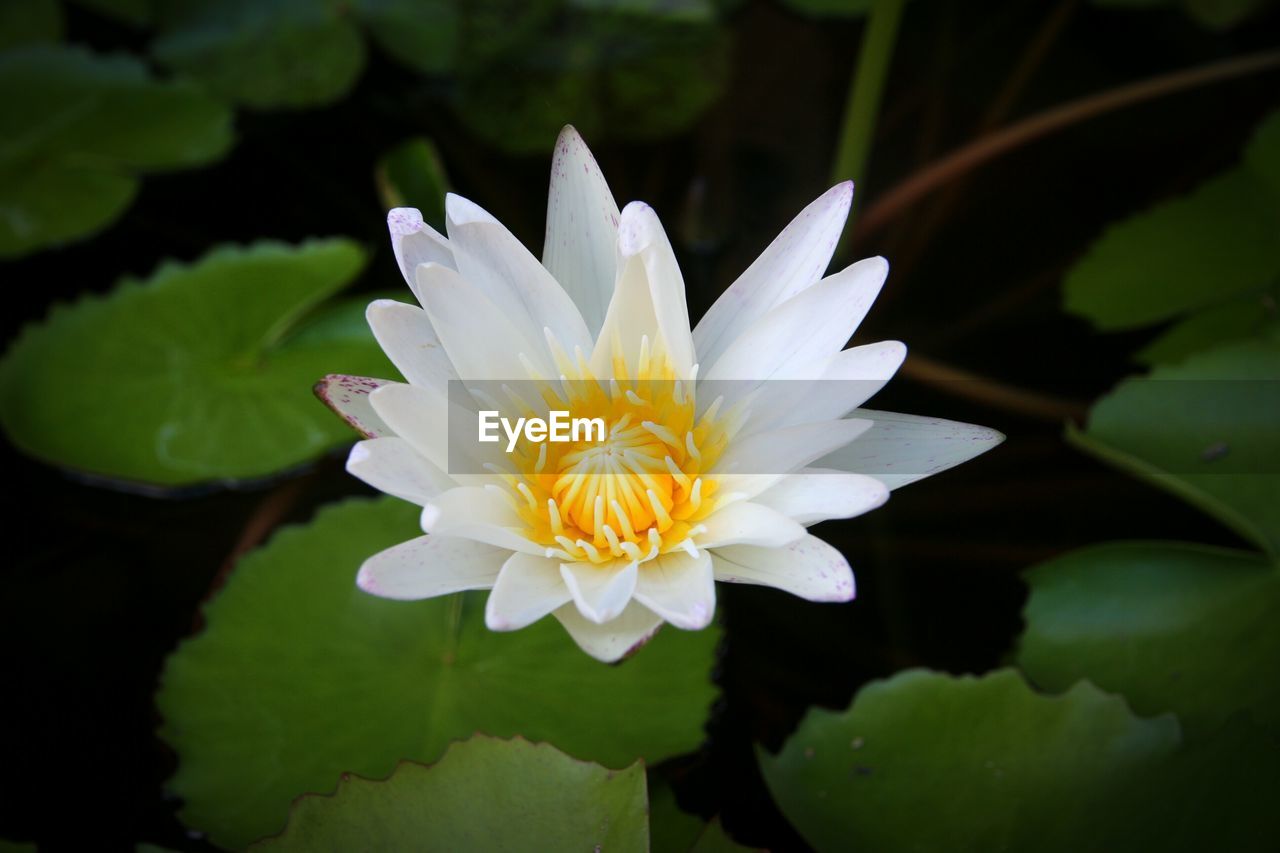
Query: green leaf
point(1189, 253)
point(1205, 430)
point(412, 175)
point(263, 53)
point(925, 761)
point(670, 828)
point(1172, 626)
point(422, 34)
point(714, 839)
point(300, 676)
point(483, 794)
point(76, 128)
point(1252, 315)
point(29, 22)
point(612, 71)
point(203, 372)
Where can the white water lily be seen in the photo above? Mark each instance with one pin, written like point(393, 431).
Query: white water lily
point(619, 537)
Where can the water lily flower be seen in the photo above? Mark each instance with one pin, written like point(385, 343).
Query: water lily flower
point(619, 536)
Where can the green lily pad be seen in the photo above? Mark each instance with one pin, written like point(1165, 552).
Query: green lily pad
point(421, 34)
point(925, 761)
point(299, 677)
point(615, 71)
point(1172, 626)
point(1252, 315)
point(77, 129)
point(1188, 253)
point(201, 373)
point(1205, 430)
point(412, 175)
point(263, 53)
point(483, 794)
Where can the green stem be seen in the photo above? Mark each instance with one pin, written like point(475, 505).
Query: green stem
point(865, 91)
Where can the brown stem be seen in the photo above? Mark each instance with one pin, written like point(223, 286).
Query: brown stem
point(990, 146)
point(989, 392)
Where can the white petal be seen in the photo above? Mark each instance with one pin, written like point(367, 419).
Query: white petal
point(418, 415)
point(679, 588)
point(828, 390)
point(901, 449)
point(415, 242)
point(600, 592)
point(809, 327)
point(614, 640)
point(491, 259)
point(405, 334)
point(429, 566)
point(630, 318)
point(817, 494)
point(640, 237)
point(527, 589)
point(391, 465)
point(809, 568)
point(349, 397)
point(794, 261)
point(745, 523)
point(754, 463)
point(482, 343)
point(582, 229)
point(484, 514)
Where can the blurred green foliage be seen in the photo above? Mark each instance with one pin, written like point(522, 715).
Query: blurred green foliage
point(1211, 14)
point(202, 372)
point(78, 128)
point(483, 794)
point(412, 175)
point(299, 676)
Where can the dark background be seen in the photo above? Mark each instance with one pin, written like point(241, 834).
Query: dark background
point(101, 585)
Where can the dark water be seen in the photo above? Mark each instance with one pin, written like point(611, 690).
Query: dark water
point(101, 585)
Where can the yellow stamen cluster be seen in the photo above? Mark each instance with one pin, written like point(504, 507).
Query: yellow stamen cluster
point(640, 492)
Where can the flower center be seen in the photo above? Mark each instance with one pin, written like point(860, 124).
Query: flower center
point(640, 492)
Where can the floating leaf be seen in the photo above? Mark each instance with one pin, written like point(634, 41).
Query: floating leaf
point(614, 70)
point(1253, 315)
point(299, 676)
point(263, 53)
point(77, 128)
point(412, 175)
point(925, 761)
point(713, 839)
point(203, 372)
point(1189, 253)
point(1171, 626)
point(422, 34)
point(29, 22)
point(1205, 430)
point(483, 794)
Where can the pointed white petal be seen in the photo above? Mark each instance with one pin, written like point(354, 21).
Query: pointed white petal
point(418, 415)
point(817, 494)
point(482, 513)
point(745, 523)
point(630, 318)
point(415, 242)
point(806, 329)
point(429, 566)
point(405, 334)
point(839, 385)
point(809, 568)
point(640, 236)
point(391, 465)
point(679, 588)
point(901, 449)
point(481, 341)
point(491, 259)
point(794, 261)
point(754, 463)
point(582, 229)
point(600, 592)
point(349, 397)
point(527, 589)
point(614, 640)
